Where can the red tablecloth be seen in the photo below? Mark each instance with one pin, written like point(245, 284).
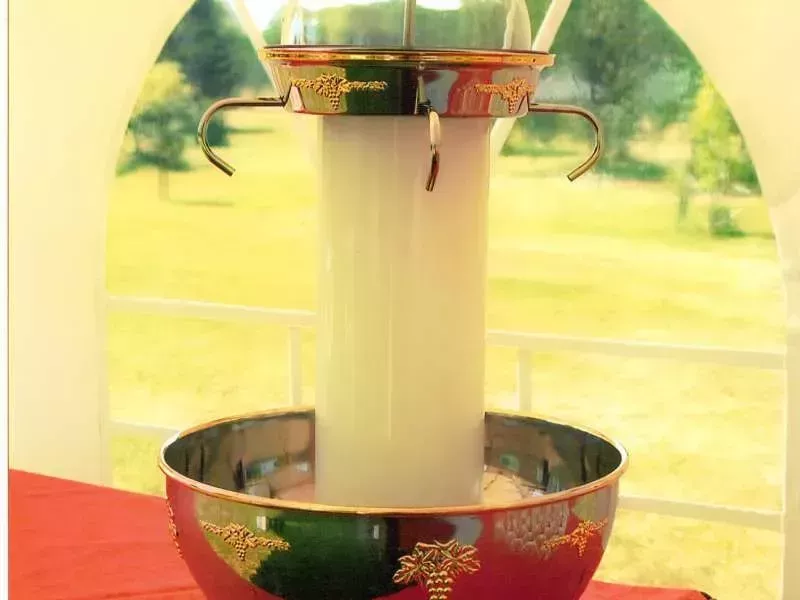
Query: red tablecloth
point(72, 541)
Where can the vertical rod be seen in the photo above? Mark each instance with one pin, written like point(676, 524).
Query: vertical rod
point(785, 218)
point(791, 493)
point(524, 387)
point(551, 23)
point(247, 23)
point(295, 366)
point(409, 15)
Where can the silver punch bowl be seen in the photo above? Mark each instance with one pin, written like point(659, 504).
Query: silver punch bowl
point(240, 495)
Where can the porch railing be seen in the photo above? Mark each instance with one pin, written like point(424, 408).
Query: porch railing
point(526, 345)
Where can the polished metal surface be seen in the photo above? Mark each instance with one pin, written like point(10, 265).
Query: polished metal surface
point(202, 128)
point(270, 459)
point(435, 129)
point(404, 57)
point(241, 511)
point(359, 81)
point(566, 109)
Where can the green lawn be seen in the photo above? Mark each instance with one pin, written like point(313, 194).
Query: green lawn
point(597, 258)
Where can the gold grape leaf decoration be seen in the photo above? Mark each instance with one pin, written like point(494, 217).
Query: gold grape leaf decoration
point(242, 540)
point(436, 566)
point(512, 92)
point(578, 537)
point(173, 528)
point(332, 87)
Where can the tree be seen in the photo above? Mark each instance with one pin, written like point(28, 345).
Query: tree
point(626, 64)
point(162, 119)
point(719, 159)
point(215, 55)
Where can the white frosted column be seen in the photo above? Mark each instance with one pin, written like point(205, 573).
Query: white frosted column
point(401, 312)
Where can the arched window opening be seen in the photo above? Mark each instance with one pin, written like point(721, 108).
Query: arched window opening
point(668, 242)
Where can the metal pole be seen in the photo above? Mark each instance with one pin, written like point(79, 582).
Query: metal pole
point(408, 23)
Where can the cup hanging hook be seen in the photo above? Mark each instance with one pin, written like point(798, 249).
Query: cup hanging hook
point(567, 109)
point(435, 132)
point(202, 128)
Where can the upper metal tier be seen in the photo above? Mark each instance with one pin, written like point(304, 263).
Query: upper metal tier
point(331, 80)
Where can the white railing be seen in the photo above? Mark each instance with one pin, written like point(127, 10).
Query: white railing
point(526, 345)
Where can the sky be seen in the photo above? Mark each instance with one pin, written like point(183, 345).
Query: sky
point(262, 11)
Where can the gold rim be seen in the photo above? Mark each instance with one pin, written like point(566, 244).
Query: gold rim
point(214, 492)
point(324, 54)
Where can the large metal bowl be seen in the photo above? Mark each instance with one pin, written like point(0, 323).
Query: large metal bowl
point(240, 495)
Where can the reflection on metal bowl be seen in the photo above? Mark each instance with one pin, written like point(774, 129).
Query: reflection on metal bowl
point(241, 511)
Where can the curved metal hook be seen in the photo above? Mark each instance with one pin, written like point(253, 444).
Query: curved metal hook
point(202, 127)
point(582, 112)
point(435, 132)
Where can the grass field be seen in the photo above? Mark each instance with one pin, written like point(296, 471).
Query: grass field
point(598, 257)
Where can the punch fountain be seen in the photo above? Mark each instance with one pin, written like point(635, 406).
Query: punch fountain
point(398, 483)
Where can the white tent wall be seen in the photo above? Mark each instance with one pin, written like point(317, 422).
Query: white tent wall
point(750, 50)
point(75, 70)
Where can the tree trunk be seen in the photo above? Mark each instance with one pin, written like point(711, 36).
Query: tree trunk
point(683, 206)
point(163, 185)
point(684, 189)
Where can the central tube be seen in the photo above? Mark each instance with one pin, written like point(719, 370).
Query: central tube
point(400, 394)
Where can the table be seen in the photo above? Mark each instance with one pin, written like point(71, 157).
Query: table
point(73, 541)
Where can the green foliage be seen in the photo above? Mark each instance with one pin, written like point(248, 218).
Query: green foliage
point(719, 160)
point(722, 223)
point(162, 119)
point(542, 129)
point(216, 57)
point(521, 144)
point(628, 167)
point(212, 50)
point(719, 163)
point(625, 64)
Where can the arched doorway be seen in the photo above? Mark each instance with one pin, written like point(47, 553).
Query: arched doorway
point(750, 105)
